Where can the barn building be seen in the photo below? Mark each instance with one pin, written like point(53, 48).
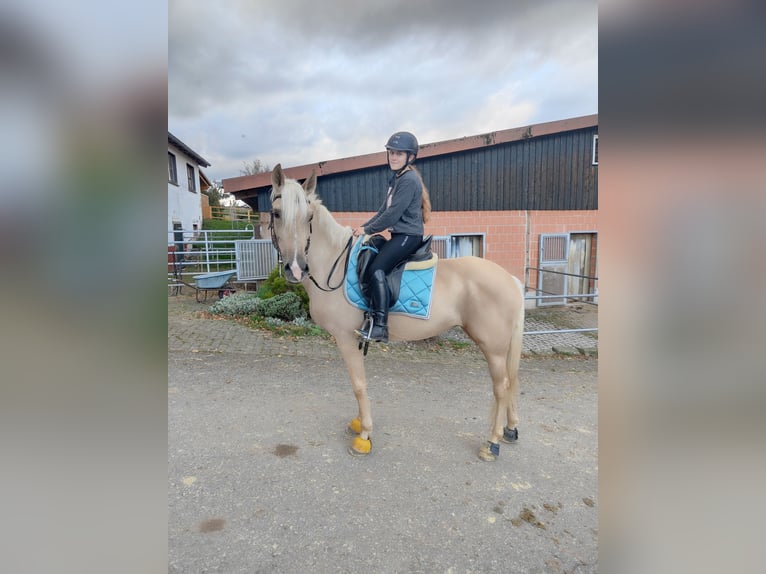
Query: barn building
point(525, 198)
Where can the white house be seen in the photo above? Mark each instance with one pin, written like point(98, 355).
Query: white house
point(184, 193)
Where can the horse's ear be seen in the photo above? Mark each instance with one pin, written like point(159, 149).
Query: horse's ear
point(277, 176)
point(311, 183)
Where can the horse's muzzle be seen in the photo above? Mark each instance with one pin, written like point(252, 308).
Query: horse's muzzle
point(294, 272)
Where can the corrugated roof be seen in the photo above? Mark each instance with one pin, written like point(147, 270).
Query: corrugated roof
point(247, 182)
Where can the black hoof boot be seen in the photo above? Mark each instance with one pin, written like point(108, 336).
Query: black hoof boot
point(510, 435)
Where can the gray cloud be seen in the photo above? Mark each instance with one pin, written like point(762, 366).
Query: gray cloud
point(301, 81)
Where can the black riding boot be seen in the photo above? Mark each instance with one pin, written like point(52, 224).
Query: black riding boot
point(379, 299)
point(378, 331)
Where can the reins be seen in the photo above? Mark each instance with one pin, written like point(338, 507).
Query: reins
point(346, 250)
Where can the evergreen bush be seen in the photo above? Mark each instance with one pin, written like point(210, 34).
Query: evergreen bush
point(275, 285)
point(286, 307)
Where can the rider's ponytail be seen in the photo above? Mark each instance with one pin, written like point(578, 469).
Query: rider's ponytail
point(426, 204)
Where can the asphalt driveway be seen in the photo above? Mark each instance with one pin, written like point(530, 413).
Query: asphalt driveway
point(260, 481)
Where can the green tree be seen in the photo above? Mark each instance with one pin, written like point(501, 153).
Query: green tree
point(214, 194)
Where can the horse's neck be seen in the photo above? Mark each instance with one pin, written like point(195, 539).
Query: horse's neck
point(328, 240)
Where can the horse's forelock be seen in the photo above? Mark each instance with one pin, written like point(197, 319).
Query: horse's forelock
point(294, 205)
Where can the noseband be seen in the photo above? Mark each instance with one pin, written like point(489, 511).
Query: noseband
point(346, 250)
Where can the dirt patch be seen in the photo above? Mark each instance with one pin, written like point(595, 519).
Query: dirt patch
point(283, 450)
point(212, 525)
point(526, 515)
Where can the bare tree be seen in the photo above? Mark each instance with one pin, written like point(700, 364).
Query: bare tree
point(254, 167)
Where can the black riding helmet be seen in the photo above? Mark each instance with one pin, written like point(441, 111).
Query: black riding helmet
point(404, 141)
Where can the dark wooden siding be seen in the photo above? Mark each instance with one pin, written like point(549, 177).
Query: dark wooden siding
point(552, 172)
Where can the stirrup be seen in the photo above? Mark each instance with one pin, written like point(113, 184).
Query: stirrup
point(365, 330)
point(365, 335)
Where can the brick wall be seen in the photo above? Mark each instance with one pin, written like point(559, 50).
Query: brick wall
point(512, 238)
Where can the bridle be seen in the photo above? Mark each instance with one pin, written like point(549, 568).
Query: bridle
point(346, 250)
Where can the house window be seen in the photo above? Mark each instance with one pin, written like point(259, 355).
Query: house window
point(172, 173)
point(190, 177)
point(594, 155)
point(465, 245)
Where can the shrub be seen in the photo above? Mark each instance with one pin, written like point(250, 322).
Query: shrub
point(286, 307)
point(236, 305)
point(278, 285)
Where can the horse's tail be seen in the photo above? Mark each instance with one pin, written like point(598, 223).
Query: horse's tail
point(514, 352)
point(513, 362)
point(513, 359)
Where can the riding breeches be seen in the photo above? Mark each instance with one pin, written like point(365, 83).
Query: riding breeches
point(394, 251)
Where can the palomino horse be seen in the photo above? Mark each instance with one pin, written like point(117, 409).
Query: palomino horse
point(477, 294)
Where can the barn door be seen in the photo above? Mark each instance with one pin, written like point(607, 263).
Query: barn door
point(554, 260)
point(580, 248)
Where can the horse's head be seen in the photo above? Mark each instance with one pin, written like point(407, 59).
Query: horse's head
point(291, 215)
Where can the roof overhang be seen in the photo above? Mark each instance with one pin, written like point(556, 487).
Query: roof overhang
point(187, 150)
point(247, 186)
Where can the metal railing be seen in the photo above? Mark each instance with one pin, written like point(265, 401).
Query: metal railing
point(202, 251)
point(565, 296)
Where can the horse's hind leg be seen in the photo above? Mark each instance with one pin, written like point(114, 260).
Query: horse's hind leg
point(511, 431)
point(501, 407)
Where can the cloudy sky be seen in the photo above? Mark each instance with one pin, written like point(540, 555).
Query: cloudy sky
point(303, 81)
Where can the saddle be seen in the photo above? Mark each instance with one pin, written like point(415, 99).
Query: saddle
point(422, 258)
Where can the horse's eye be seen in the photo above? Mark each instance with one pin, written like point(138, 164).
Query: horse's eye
point(276, 214)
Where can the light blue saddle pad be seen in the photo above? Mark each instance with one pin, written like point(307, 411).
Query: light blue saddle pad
point(414, 292)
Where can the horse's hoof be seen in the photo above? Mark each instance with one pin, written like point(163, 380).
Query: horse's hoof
point(360, 446)
point(355, 426)
point(489, 451)
point(510, 435)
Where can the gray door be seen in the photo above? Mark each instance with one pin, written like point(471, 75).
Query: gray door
point(554, 260)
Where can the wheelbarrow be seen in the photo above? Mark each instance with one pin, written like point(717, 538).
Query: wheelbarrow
point(213, 282)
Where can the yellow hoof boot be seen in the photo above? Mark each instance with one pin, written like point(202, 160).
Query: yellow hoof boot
point(355, 426)
point(360, 446)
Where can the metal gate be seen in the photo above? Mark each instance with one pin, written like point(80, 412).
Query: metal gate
point(255, 259)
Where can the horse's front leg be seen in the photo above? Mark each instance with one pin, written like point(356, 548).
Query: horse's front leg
point(362, 424)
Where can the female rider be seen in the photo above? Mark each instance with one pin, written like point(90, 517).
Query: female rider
point(406, 208)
